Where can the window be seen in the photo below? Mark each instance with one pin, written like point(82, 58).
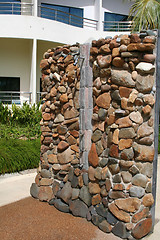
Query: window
point(68, 15)
point(10, 7)
point(9, 84)
point(110, 20)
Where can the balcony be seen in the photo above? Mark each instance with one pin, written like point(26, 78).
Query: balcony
point(18, 98)
point(21, 8)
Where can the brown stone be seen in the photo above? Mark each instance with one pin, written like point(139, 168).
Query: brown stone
point(111, 119)
point(52, 158)
point(108, 185)
point(104, 100)
point(115, 138)
point(142, 228)
point(71, 140)
point(148, 200)
point(124, 122)
point(140, 215)
point(150, 58)
point(118, 187)
point(74, 133)
point(53, 92)
point(117, 194)
point(126, 105)
point(115, 52)
point(113, 151)
point(63, 98)
point(113, 44)
point(147, 109)
point(44, 63)
point(71, 113)
point(104, 49)
point(128, 204)
point(65, 156)
point(47, 116)
point(146, 153)
point(125, 92)
point(93, 51)
point(46, 182)
point(144, 130)
point(96, 199)
point(135, 38)
point(104, 61)
point(94, 188)
point(105, 173)
point(105, 72)
point(149, 99)
point(93, 156)
point(118, 62)
point(122, 78)
point(125, 143)
point(125, 164)
point(45, 193)
point(125, 40)
point(136, 117)
point(91, 172)
point(75, 148)
point(140, 47)
point(120, 214)
point(62, 146)
point(114, 168)
point(149, 39)
point(80, 181)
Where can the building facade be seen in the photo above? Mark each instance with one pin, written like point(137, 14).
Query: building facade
point(29, 28)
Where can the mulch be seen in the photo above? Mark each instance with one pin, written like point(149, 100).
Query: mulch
point(30, 219)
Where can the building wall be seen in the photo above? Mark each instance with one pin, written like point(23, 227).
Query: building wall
point(15, 60)
point(117, 6)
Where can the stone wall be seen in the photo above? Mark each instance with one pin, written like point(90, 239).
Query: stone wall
point(103, 171)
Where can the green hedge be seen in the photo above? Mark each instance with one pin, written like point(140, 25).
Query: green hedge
point(17, 155)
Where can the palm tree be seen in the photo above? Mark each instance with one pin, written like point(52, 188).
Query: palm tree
point(145, 14)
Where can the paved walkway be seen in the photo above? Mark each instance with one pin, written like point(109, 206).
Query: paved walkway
point(29, 219)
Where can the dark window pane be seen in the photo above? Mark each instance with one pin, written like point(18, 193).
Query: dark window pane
point(110, 18)
point(62, 14)
point(12, 7)
point(9, 84)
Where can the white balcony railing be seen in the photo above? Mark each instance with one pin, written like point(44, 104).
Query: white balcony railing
point(64, 17)
point(115, 26)
point(16, 8)
point(21, 8)
point(11, 97)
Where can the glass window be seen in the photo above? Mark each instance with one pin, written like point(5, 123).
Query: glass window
point(64, 14)
point(111, 18)
point(9, 84)
point(10, 7)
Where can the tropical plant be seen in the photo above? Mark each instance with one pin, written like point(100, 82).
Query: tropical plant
point(145, 14)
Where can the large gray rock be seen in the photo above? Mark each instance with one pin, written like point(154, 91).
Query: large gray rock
point(145, 83)
point(34, 190)
point(123, 78)
point(127, 133)
point(45, 173)
point(144, 130)
point(127, 154)
point(101, 210)
point(78, 208)
point(63, 207)
point(66, 192)
point(65, 156)
point(85, 195)
point(120, 230)
point(136, 191)
point(140, 180)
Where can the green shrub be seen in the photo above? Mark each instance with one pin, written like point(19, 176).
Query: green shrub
point(17, 155)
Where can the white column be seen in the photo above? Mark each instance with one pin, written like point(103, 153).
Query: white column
point(35, 8)
point(33, 71)
point(99, 14)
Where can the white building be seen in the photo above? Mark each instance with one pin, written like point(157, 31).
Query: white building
point(28, 29)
